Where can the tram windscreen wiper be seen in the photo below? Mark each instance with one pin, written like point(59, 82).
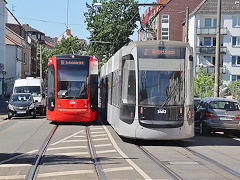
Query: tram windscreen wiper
point(172, 93)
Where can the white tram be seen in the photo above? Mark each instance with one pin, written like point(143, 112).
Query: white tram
point(146, 90)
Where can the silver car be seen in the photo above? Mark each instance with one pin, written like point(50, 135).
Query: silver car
point(217, 114)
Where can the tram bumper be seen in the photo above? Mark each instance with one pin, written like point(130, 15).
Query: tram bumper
point(179, 133)
point(75, 115)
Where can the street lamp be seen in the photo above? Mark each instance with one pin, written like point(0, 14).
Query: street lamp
point(40, 38)
point(97, 4)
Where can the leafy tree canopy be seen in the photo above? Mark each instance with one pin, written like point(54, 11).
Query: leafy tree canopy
point(114, 22)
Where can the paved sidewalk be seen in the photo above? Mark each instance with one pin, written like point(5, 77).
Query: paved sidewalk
point(3, 117)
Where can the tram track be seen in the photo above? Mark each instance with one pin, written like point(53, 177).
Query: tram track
point(173, 174)
point(93, 155)
point(41, 153)
point(221, 166)
point(177, 176)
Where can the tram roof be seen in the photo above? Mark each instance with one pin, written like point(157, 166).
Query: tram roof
point(157, 43)
point(69, 56)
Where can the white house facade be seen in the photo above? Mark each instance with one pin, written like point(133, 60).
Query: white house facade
point(202, 37)
point(2, 44)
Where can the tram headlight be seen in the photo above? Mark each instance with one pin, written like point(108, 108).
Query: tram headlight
point(11, 107)
point(31, 106)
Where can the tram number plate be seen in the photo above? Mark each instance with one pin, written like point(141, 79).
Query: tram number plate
point(21, 112)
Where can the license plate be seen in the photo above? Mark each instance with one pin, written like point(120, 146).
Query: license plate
point(21, 112)
point(226, 119)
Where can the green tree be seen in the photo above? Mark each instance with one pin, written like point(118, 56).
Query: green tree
point(65, 46)
point(114, 22)
point(204, 84)
point(46, 54)
point(69, 46)
point(234, 89)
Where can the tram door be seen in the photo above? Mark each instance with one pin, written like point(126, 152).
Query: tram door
point(128, 90)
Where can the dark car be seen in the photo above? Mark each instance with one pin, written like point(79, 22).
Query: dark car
point(21, 104)
point(217, 114)
point(196, 102)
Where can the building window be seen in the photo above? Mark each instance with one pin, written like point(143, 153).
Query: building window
point(236, 41)
point(235, 60)
point(209, 41)
point(210, 22)
point(235, 77)
point(24, 58)
point(210, 59)
point(165, 27)
point(236, 21)
point(165, 18)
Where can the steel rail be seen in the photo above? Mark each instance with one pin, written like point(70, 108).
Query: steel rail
point(93, 155)
point(160, 164)
point(41, 153)
point(225, 168)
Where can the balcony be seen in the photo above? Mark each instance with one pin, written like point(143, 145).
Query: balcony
point(210, 50)
point(211, 69)
point(210, 31)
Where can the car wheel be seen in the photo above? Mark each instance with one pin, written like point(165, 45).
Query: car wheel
point(9, 116)
point(203, 130)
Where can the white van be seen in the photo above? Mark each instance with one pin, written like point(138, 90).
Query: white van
point(35, 87)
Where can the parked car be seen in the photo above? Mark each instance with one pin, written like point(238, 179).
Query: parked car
point(196, 102)
point(21, 104)
point(217, 114)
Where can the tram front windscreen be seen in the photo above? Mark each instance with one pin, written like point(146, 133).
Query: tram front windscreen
point(161, 82)
point(72, 78)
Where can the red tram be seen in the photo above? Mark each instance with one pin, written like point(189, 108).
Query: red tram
point(72, 88)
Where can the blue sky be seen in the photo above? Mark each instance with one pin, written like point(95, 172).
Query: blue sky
point(50, 16)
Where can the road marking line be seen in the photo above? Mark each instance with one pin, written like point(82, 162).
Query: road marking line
point(66, 138)
point(79, 136)
point(100, 139)
point(99, 135)
point(69, 147)
point(183, 163)
point(106, 151)
point(14, 165)
point(72, 154)
point(102, 145)
point(76, 140)
point(100, 132)
point(65, 173)
point(117, 169)
point(13, 177)
point(140, 171)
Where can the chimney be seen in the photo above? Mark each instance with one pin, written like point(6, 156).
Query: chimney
point(55, 40)
point(68, 31)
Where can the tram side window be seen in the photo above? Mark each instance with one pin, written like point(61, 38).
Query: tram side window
point(128, 82)
point(128, 94)
point(51, 88)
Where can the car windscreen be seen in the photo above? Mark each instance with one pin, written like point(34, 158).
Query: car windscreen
point(17, 98)
point(161, 81)
point(34, 90)
point(224, 105)
point(72, 79)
